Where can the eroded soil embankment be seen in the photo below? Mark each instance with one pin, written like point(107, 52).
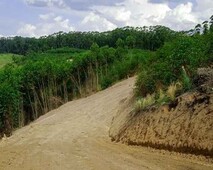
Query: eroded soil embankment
point(184, 126)
point(188, 127)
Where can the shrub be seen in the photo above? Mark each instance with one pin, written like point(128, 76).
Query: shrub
point(159, 98)
point(187, 84)
point(173, 89)
point(145, 102)
point(168, 63)
point(162, 97)
point(145, 83)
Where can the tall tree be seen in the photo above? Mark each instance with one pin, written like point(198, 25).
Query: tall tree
point(198, 29)
point(211, 23)
point(205, 27)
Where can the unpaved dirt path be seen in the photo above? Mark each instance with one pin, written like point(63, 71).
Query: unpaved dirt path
point(75, 136)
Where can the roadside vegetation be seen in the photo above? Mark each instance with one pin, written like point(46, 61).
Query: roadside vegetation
point(172, 70)
point(61, 67)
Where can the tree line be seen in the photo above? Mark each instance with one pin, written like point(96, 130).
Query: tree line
point(147, 38)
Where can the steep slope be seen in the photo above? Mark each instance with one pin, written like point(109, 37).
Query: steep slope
point(184, 125)
point(75, 136)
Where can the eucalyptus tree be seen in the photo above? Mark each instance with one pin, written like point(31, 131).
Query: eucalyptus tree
point(205, 27)
point(211, 23)
point(198, 29)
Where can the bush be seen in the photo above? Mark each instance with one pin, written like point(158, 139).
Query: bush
point(186, 81)
point(173, 89)
point(167, 65)
point(162, 97)
point(145, 83)
point(125, 67)
point(145, 102)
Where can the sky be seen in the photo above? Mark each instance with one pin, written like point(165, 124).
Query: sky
point(35, 18)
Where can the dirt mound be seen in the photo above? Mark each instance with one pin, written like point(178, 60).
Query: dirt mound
point(185, 125)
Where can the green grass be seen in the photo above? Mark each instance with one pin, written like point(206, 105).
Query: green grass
point(5, 59)
point(60, 53)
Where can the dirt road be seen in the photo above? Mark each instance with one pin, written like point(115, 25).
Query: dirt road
point(75, 136)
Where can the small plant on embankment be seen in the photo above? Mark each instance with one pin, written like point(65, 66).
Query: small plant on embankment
point(159, 98)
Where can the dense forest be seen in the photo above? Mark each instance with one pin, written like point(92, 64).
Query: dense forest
point(58, 68)
point(148, 38)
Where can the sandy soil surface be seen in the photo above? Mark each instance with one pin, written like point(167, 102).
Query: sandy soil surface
point(75, 136)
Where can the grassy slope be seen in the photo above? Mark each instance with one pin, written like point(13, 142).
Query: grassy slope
point(5, 59)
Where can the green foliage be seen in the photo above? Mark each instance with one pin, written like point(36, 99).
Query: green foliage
point(146, 38)
point(7, 58)
point(130, 41)
point(41, 82)
point(177, 60)
point(186, 81)
point(143, 103)
point(167, 66)
point(172, 90)
point(120, 43)
point(125, 67)
point(65, 50)
point(209, 45)
point(161, 97)
point(9, 99)
point(145, 83)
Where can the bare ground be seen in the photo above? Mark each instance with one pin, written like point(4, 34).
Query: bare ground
point(75, 136)
point(185, 125)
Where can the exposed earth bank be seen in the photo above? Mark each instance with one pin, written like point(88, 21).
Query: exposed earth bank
point(185, 125)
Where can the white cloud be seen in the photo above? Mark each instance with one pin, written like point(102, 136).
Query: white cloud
point(134, 12)
point(58, 19)
point(183, 12)
point(180, 18)
point(37, 2)
point(46, 3)
point(204, 5)
point(72, 4)
point(143, 13)
point(95, 22)
point(119, 13)
point(204, 9)
point(96, 15)
point(50, 26)
point(27, 30)
point(46, 16)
